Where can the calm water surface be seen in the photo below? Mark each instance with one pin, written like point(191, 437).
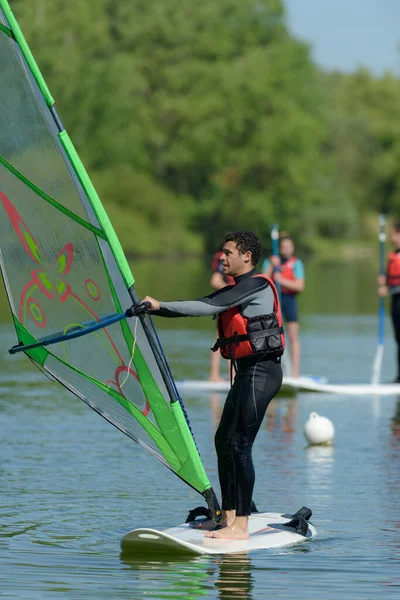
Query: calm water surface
point(71, 485)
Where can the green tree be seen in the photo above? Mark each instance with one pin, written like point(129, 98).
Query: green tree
point(198, 118)
point(366, 138)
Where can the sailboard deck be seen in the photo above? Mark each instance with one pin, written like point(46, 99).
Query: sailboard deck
point(267, 530)
point(302, 384)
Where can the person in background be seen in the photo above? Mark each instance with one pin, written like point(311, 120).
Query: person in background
point(218, 281)
point(288, 272)
point(390, 284)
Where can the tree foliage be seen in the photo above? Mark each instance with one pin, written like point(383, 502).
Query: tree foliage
point(195, 118)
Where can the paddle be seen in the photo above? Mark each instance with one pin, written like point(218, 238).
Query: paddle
point(275, 250)
point(377, 364)
point(286, 363)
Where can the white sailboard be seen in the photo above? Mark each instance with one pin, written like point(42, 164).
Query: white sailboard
point(267, 530)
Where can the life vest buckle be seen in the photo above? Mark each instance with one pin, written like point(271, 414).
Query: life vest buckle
point(236, 338)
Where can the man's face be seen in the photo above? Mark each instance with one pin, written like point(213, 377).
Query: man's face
point(233, 262)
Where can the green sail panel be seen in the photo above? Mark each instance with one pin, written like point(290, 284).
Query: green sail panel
point(63, 267)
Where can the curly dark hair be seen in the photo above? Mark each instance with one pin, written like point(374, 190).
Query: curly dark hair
point(246, 241)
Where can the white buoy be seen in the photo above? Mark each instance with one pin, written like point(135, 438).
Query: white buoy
point(319, 430)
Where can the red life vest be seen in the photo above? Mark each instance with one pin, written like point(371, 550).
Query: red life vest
point(393, 269)
point(241, 336)
point(287, 271)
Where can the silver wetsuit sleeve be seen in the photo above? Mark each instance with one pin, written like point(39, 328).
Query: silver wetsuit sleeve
point(246, 290)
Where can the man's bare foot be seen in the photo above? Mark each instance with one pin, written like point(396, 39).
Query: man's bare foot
point(229, 533)
point(216, 379)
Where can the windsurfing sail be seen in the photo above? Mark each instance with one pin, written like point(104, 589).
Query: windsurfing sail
point(64, 270)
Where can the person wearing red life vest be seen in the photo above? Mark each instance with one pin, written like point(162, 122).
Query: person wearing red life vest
point(288, 271)
point(218, 281)
point(390, 284)
point(250, 333)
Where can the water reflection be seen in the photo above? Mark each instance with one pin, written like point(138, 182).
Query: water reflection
point(282, 416)
point(234, 578)
point(216, 405)
point(320, 456)
point(391, 473)
point(281, 413)
point(228, 575)
point(396, 423)
point(320, 463)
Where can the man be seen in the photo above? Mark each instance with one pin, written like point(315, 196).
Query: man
point(218, 281)
point(288, 271)
point(390, 284)
point(250, 333)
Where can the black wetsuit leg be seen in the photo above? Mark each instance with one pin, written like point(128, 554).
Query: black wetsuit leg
point(396, 327)
point(257, 381)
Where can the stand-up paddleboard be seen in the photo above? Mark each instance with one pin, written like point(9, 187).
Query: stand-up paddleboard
point(289, 384)
point(300, 384)
point(267, 530)
point(356, 389)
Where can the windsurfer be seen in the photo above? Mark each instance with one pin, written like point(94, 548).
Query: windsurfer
point(250, 333)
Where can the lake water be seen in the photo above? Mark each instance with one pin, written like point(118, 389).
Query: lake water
point(72, 485)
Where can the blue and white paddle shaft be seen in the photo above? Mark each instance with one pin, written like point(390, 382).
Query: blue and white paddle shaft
point(377, 364)
point(275, 249)
point(286, 363)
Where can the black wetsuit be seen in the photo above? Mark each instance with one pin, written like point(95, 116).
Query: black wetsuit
point(396, 325)
point(257, 381)
point(394, 291)
point(396, 328)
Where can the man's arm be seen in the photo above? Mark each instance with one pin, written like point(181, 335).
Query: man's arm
point(231, 295)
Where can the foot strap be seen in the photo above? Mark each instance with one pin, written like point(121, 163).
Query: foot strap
point(202, 511)
point(299, 520)
point(199, 511)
